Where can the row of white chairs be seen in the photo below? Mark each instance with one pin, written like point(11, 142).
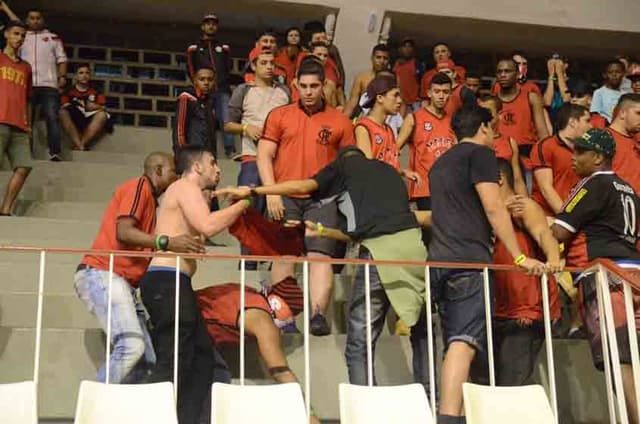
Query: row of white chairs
point(100, 403)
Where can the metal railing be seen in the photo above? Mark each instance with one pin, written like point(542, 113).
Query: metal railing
point(613, 375)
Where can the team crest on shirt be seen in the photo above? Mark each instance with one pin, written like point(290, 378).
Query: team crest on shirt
point(509, 118)
point(378, 139)
point(324, 135)
point(428, 126)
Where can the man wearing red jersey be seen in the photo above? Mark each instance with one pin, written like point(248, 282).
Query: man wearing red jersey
point(298, 140)
point(406, 70)
point(522, 115)
point(15, 112)
point(428, 130)
point(83, 114)
point(523, 79)
point(441, 52)
point(519, 328)
point(624, 128)
point(128, 224)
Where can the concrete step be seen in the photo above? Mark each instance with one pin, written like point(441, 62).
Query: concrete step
point(82, 211)
point(135, 140)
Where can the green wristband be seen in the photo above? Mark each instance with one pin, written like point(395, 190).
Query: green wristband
point(248, 201)
point(157, 242)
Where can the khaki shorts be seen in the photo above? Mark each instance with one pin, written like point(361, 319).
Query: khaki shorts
point(14, 143)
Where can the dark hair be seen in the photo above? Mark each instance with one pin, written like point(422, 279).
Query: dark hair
point(491, 98)
point(286, 34)
point(565, 113)
point(187, 156)
point(504, 167)
point(318, 44)
point(314, 27)
point(507, 59)
point(440, 43)
point(83, 65)
point(626, 99)
point(267, 31)
point(474, 75)
point(518, 53)
point(440, 78)
point(207, 67)
point(310, 66)
point(613, 62)
point(34, 10)
point(14, 24)
point(467, 121)
point(379, 48)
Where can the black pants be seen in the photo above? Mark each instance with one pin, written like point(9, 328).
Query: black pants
point(517, 350)
point(424, 204)
point(196, 354)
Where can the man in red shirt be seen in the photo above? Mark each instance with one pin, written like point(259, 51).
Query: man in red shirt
point(406, 70)
point(461, 96)
point(83, 114)
point(298, 140)
point(428, 130)
point(15, 113)
point(522, 114)
point(128, 224)
point(624, 128)
point(441, 52)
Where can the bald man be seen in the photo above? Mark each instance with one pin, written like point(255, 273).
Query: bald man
point(128, 224)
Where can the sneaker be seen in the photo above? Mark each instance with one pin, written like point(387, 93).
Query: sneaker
point(55, 158)
point(318, 325)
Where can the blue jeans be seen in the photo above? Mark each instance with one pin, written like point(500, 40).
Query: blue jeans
point(356, 349)
point(221, 107)
point(49, 99)
point(250, 177)
point(132, 354)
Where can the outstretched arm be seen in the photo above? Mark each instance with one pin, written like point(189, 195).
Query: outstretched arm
point(538, 227)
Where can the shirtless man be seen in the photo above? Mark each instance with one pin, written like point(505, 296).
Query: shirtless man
point(184, 211)
point(379, 62)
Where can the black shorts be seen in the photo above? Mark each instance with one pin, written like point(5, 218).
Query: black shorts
point(82, 121)
point(423, 203)
point(309, 210)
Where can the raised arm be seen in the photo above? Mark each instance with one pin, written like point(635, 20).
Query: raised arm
point(4, 6)
point(354, 97)
point(537, 111)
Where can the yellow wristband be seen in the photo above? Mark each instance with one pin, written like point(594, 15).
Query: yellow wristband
point(520, 259)
point(244, 128)
point(561, 247)
point(320, 228)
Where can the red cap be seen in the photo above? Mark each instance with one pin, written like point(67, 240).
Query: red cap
point(257, 51)
point(446, 64)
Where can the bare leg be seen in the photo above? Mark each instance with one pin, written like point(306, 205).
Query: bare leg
point(281, 270)
point(629, 392)
point(70, 128)
point(455, 372)
point(260, 324)
point(95, 127)
point(321, 286)
point(13, 189)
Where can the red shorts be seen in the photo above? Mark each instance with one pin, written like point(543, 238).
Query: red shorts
point(220, 308)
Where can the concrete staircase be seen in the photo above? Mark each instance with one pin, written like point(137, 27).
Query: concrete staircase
point(62, 205)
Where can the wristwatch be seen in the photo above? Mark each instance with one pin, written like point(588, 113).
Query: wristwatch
point(162, 242)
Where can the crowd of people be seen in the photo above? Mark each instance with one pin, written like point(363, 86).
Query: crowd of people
point(523, 175)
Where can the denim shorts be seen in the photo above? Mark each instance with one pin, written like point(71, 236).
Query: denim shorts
point(460, 298)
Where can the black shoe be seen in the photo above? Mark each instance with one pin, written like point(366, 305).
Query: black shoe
point(249, 265)
point(318, 325)
point(55, 158)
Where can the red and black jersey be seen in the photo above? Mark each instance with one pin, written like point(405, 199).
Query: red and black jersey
point(81, 97)
point(602, 211)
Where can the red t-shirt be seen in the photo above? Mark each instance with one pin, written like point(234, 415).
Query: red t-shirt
point(516, 119)
point(383, 142)
point(518, 295)
point(553, 153)
point(134, 199)
point(527, 87)
point(83, 96)
point(431, 137)
point(455, 101)
point(406, 73)
point(426, 79)
point(626, 162)
point(306, 143)
point(15, 90)
point(598, 121)
point(330, 68)
point(503, 149)
point(289, 66)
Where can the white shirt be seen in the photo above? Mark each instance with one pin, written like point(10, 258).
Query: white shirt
point(43, 50)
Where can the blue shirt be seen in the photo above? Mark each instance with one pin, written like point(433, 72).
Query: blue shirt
point(604, 101)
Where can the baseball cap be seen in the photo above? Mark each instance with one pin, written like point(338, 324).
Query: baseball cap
point(634, 72)
point(257, 51)
point(599, 141)
point(380, 85)
point(210, 17)
point(446, 64)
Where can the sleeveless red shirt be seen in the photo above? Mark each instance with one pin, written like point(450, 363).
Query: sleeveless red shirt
point(516, 120)
point(383, 142)
point(502, 147)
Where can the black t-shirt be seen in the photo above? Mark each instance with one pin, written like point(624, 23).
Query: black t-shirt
point(461, 230)
point(370, 194)
point(605, 209)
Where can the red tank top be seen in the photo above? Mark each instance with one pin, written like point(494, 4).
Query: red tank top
point(518, 295)
point(455, 101)
point(383, 142)
point(502, 147)
point(432, 136)
point(516, 120)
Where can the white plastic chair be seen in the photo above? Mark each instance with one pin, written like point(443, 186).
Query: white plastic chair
point(266, 404)
point(406, 404)
point(18, 403)
point(100, 403)
point(506, 405)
